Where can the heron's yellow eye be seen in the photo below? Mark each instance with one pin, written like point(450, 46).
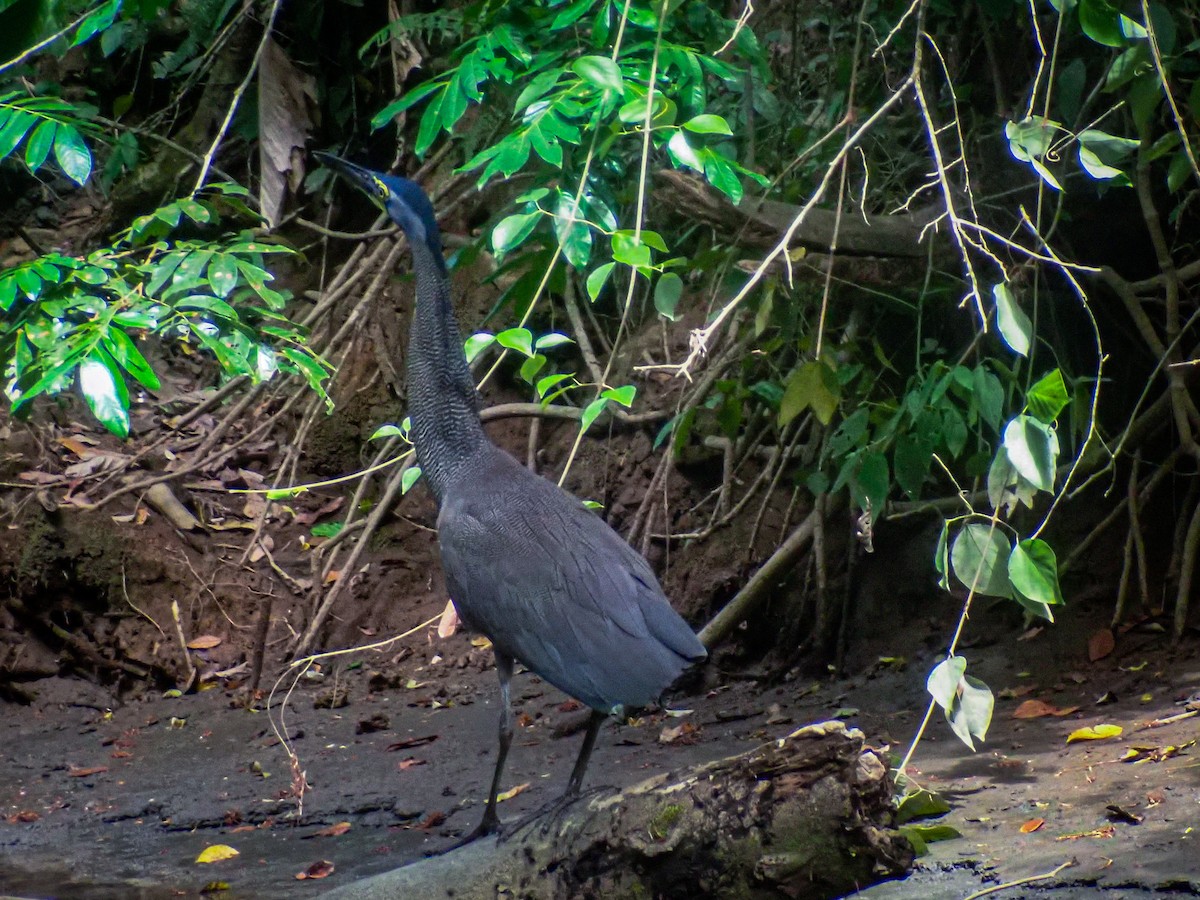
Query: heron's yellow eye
point(380, 188)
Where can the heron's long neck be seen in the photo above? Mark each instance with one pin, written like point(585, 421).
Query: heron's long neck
point(441, 392)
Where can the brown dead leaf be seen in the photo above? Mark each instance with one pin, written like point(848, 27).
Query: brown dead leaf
point(40, 477)
point(1020, 690)
point(76, 445)
point(570, 706)
point(285, 96)
point(333, 830)
point(25, 815)
point(1032, 825)
point(1155, 797)
point(309, 517)
point(1033, 709)
point(433, 820)
point(449, 622)
point(322, 868)
point(1101, 644)
point(411, 763)
point(684, 733)
point(73, 772)
point(204, 642)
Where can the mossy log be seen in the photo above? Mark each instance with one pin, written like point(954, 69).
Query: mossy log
point(806, 816)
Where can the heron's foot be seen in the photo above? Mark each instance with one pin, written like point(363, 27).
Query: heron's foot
point(490, 824)
point(552, 814)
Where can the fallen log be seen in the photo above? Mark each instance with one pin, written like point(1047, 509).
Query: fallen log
point(806, 816)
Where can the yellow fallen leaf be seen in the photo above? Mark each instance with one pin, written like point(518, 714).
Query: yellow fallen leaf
point(1095, 733)
point(204, 642)
point(216, 853)
point(511, 792)
point(481, 642)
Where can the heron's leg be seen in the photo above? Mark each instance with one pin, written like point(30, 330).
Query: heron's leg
point(491, 821)
point(585, 753)
point(504, 669)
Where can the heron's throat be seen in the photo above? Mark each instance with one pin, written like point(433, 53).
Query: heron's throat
point(442, 401)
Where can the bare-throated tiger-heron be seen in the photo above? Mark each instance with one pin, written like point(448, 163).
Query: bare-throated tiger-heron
point(528, 565)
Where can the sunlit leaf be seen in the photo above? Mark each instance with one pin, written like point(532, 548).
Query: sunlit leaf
point(100, 388)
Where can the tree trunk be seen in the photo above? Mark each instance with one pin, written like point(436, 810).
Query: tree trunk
point(807, 816)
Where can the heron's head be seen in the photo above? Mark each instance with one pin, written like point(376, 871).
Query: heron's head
point(403, 200)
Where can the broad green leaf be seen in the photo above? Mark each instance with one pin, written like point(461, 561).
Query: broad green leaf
point(573, 232)
point(209, 304)
point(409, 478)
point(72, 154)
point(1014, 325)
point(871, 481)
point(195, 210)
point(512, 230)
point(942, 683)
point(683, 153)
point(1047, 397)
point(720, 174)
point(667, 292)
point(707, 123)
point(988, 396)
point(812, 386)
point(222, 274)
point(623, 395)
point(551, 340)
point(531, 367)
point(600, 71)
point(12, 132)
point(550, 381)
point(596, 279)
point(123, 349)
point(38, 146)
point(519, 339)
point(941, 556)
point(911, 461)
point(1032, 448)
point(1100, 21)
point(967, 701)
point(591, 412)
point(979, 557)
point(1033, 570)
point(477, 343)
point(99, 386)
point(385, 431)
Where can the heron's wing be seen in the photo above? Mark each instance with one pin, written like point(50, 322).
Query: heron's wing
point(552, 585)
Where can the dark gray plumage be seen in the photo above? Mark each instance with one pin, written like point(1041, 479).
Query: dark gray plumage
point(526, 564)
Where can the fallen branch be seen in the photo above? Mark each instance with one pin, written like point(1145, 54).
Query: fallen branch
point(806, 816)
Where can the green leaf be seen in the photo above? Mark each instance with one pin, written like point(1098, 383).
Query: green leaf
point(223, 274)
point(941, 556)
point(1014, 325)
point(1033, 570)
point(551, 340)
point(519, 339)
point(871, 481)
point(99, 386)
point(12, 132)
point(813, 385)
point(623, 395)
point(409, 478)
point(596, 279)
point(72, 154)
point(572, 230)
point(327, 529)
point(39, 144)
point(385, 431)
point(667, 292)
point(531, 367)
point(967, 701)
point(1100, 21)
point(982, 549)
point(682, 153)
point(476, 344)
point(600, 71)
point(720, 174)
point(911, 461)
point(123, 349)
point(988, 396)
point(708, 123)
point(550, 381)
point(208, 304)
point(591, 412)
point(1047, 397)
point(512, 230)
point(1032, 448)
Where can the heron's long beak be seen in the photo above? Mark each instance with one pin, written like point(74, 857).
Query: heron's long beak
point(363, 179)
